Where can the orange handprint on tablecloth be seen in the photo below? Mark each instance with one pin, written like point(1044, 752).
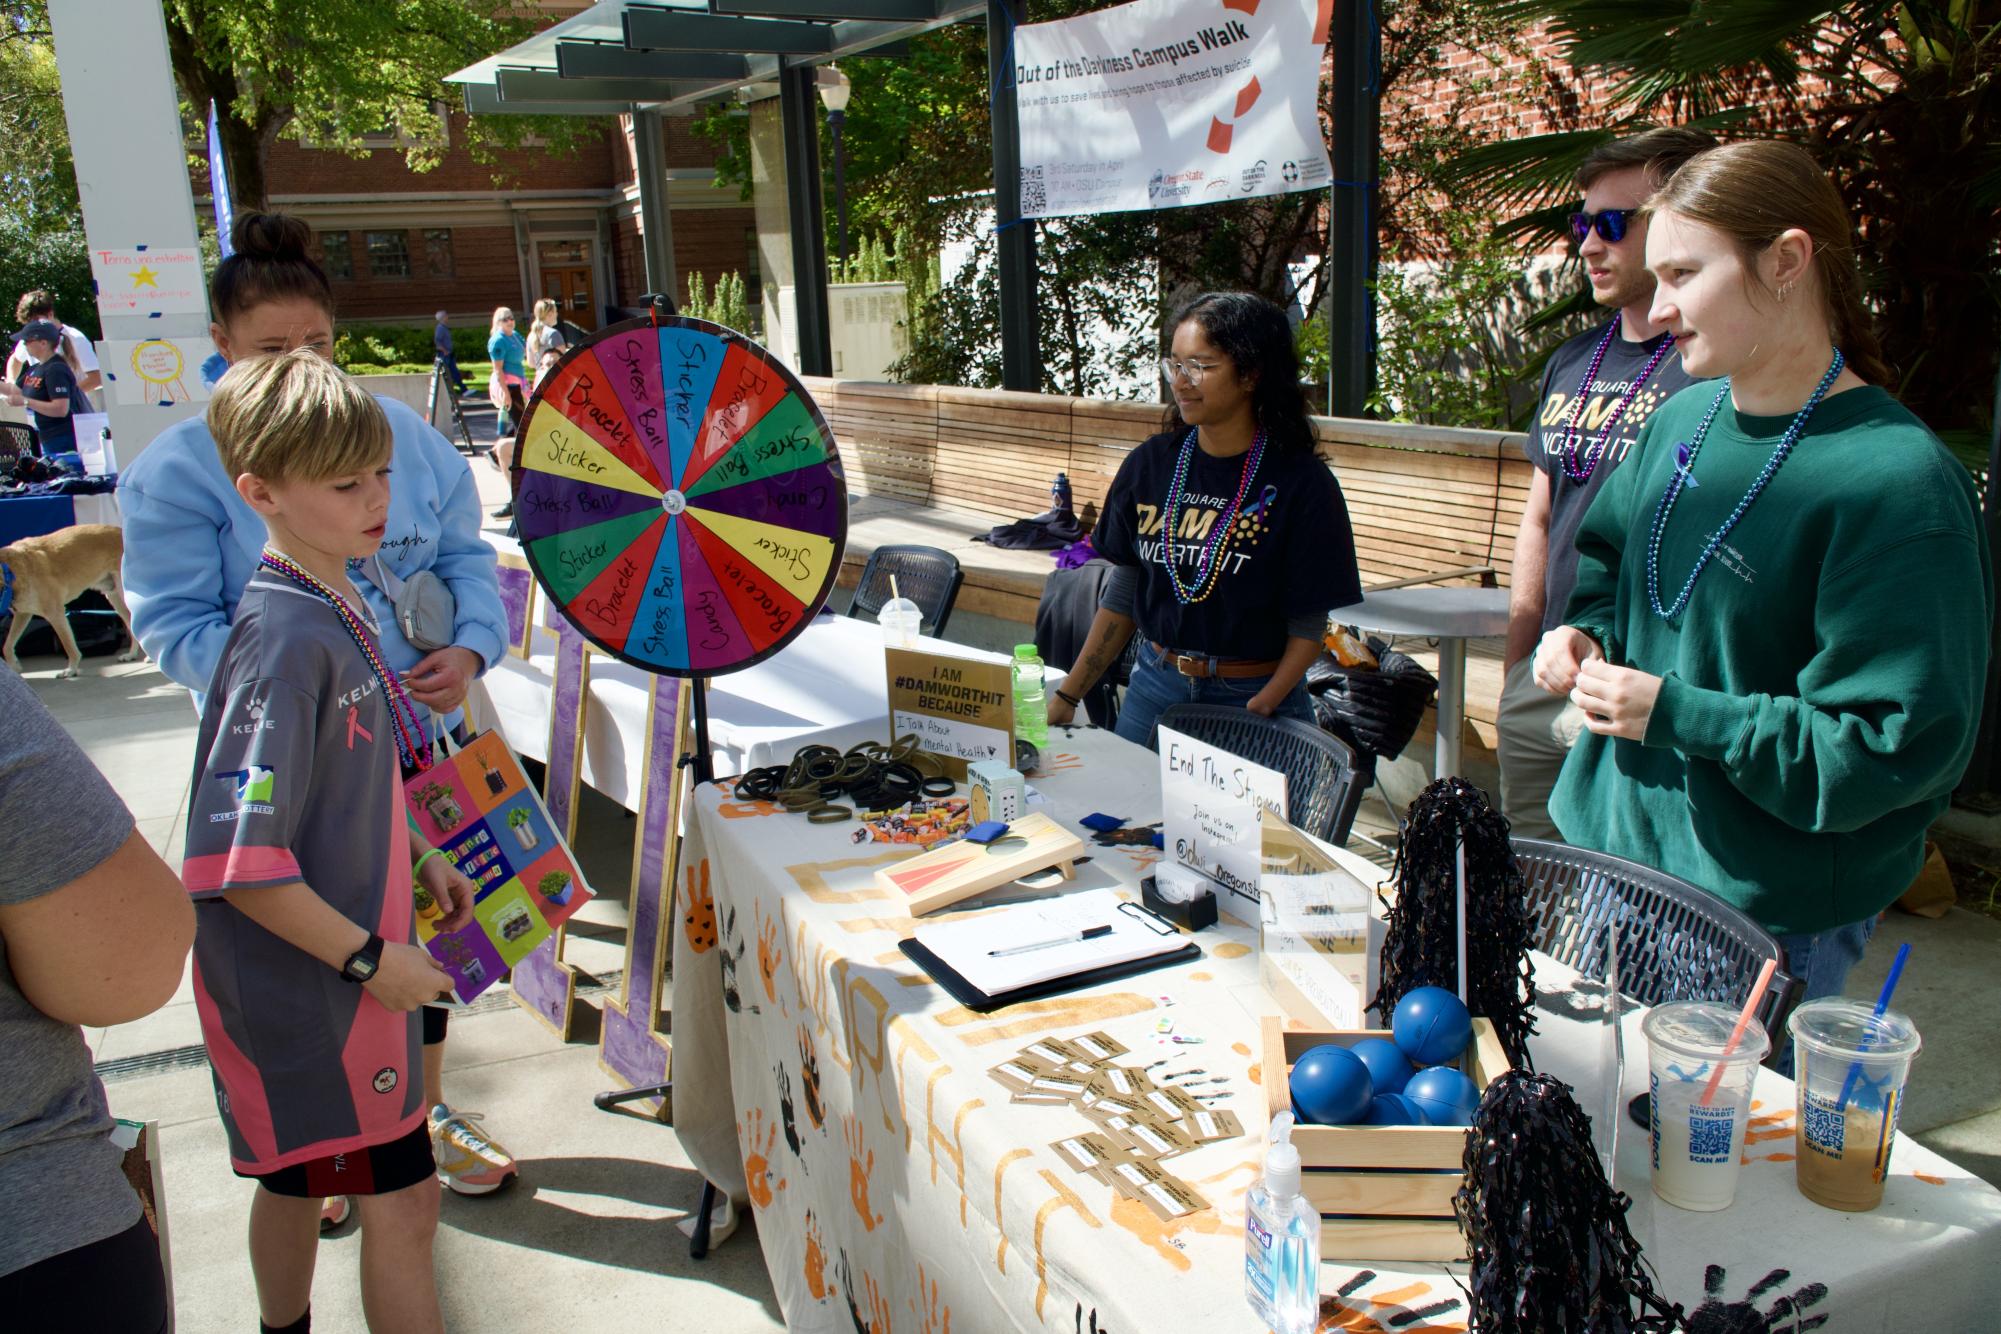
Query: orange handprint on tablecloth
point(768, 957)
point(878, 1307)
point(700, 918)
point(760, 1138)
point(816, 1261)
point(936, 1317)
point(861, 1162)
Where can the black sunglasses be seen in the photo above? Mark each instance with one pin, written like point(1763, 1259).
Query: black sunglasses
point(1611, 224)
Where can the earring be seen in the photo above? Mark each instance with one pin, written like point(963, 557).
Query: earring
point(1785, 290)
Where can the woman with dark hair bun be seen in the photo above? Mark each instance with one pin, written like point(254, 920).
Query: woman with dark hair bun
point(1779, 632)
point(1230, 535)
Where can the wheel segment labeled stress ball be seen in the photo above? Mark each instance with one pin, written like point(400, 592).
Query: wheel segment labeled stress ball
point(679, 496)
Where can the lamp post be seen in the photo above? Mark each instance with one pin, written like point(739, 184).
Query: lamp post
point(834, 89)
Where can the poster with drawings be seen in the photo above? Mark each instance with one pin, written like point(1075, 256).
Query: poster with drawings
point(478, 807)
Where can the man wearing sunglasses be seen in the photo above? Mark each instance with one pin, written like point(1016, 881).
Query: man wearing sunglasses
point(1597, 392)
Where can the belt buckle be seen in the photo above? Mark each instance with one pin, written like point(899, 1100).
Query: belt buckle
point(1191, 666)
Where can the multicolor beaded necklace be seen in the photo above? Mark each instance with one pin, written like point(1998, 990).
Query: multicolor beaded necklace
point(1682, 476)
point(1581, 473)
point(1207, 566)
point(402, 713)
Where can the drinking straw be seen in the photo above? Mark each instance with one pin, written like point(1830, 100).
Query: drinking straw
point(1459, 856)
point(1743, 1022)
point(1882, 1004)
point(892, 588)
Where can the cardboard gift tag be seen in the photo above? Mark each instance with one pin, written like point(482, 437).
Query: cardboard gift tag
point(1060, 1087)
point(1099, 1047)
point(1155, 1139)
point(1088, 1152)
point(1152, 1185)
point(1171, 1104)
point(1016, 1075)
point(1118, 1081)
point(1055, 1053)
point(1103, 1109)
point(1207, 1127)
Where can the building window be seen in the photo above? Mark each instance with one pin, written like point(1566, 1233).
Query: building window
point(388, 255)
point(338, 255)
point(438, 253)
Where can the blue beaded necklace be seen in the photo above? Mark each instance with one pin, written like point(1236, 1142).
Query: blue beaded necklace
point(1210, 562)
point(1683, 475)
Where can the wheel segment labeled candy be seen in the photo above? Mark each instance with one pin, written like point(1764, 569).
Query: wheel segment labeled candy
point(679, 496)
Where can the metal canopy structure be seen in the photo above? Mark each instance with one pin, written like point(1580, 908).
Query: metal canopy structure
point(653, 59)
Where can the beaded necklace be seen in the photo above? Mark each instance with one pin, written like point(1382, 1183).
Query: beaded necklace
point(1682, 476)
point(402, 713)
point(1581, 473)
point(1207, 567)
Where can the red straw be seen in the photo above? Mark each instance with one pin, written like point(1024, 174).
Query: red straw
point(1743, 1022)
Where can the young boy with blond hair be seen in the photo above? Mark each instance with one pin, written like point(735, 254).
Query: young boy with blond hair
point(300, 858)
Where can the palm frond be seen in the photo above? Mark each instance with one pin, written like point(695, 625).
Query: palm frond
point(1529, 170)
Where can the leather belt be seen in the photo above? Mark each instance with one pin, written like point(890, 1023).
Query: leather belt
point(1202, 667)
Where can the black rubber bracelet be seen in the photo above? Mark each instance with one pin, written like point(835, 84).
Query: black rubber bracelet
point(1072, 702)
point(940, 786)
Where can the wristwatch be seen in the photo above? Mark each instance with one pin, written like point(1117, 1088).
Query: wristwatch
point(361, 964)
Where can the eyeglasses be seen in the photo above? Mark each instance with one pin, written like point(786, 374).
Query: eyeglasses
point(1611, 224)
point(1191, 371)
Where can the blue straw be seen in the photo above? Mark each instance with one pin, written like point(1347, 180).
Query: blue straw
point(1882, 1004)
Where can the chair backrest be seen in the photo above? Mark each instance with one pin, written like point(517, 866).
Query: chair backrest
point(927, 576)
point(1322, 790)
point(1677, 941)
point(17, 440)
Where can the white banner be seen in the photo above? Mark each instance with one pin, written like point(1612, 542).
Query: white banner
point(1162, 103)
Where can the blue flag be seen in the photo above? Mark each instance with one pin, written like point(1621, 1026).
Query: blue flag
point(218, 183)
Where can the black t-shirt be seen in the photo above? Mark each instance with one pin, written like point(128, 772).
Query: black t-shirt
point(1290, 553)
point(1548, 444)
point(49, 381)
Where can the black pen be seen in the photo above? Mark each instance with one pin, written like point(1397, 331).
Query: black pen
point(1088, 933)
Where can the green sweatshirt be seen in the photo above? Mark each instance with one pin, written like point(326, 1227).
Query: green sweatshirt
point(1821, 688)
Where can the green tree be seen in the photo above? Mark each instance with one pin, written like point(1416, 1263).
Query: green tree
point(1901, 101)
point(41, 226)
point(335, 71)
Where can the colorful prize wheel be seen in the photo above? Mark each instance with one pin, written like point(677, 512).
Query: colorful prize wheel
point(679, 496)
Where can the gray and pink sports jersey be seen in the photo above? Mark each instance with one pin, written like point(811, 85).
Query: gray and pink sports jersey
point(297, 778)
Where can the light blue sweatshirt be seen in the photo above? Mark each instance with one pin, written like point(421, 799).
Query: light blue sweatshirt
point(192, 543)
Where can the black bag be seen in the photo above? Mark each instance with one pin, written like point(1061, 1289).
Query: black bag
point(1377, 709)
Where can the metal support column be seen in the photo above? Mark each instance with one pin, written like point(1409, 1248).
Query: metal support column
point(656, 221)
point(799, 108)
point(1021, 349)
point(1354, 41)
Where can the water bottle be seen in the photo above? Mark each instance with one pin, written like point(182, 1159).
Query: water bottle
point(1031, 707)
point(1059, 494)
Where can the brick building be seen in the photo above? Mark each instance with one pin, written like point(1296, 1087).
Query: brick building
point(468, 236)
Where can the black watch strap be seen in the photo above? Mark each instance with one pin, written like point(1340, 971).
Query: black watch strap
point(361, 964)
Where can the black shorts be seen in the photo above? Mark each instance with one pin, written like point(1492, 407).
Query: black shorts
point(376, 1170)
point(114, 1284)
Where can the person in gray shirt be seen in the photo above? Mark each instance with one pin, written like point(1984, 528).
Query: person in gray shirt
point(94, 930)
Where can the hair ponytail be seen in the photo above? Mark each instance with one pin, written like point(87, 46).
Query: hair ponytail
point(272, 262)
point(1752, 192)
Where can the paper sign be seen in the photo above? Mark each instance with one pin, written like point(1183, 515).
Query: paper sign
point(1211, 801)
point(962, 709)
point(145, 281)
point(159, 370)
point(478, 807)
point(1317, 938)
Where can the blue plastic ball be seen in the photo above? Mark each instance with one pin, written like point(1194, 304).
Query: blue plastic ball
point(1444, 1095)
point(1395, 1109)
point(1431, 1026)
point(1389, 1069)
point(1331, 1085)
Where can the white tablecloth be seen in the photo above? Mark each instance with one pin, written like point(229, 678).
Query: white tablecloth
point(821, 1076)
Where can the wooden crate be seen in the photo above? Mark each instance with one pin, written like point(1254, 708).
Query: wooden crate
point(1383, 1192)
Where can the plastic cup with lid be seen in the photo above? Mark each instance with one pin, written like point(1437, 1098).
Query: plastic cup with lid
point(1697, 1114)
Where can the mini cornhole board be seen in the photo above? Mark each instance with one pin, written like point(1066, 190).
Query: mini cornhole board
point(962, 869)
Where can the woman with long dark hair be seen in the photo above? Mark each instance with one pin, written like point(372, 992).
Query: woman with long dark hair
point(1231, 536)
point(1779, 632)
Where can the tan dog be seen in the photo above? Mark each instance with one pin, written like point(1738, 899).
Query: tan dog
point(53, 571)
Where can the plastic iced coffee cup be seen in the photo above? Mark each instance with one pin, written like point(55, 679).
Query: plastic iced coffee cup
point(899, 619)
point(1850, 1064)
point(1698, 1145)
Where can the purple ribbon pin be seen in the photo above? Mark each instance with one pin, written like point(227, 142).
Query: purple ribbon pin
point(1682, 454)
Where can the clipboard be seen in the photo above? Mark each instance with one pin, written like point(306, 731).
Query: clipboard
point(980, 1002)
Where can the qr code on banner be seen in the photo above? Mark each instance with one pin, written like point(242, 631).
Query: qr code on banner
point(1822, 1126)
point(1709, 1133)
point(1034, 196)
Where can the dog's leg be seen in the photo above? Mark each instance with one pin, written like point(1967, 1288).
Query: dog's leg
point(114, 592)
point(15, 629)
point(60, 624)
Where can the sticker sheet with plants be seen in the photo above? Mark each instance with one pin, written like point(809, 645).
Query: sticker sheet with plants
point(477, 805)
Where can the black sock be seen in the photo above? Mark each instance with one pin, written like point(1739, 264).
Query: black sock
point(303, 1325)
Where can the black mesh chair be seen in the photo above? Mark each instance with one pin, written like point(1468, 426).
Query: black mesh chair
point(17, 440)
point(1322, 788)
point(927, 576)
point(1677, 941)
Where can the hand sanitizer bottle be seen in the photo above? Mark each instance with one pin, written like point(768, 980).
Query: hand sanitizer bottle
point(1282, 1241)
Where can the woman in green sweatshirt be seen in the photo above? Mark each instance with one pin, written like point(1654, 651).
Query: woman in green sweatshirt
point(1780, 627)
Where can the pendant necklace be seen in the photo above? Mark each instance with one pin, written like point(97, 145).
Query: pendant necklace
point(1683, 476)
point(402, 713)
point(1581, 472)
point(1209, 564)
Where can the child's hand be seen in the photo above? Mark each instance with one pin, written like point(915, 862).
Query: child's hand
point(453, 891)
point(408, 977)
